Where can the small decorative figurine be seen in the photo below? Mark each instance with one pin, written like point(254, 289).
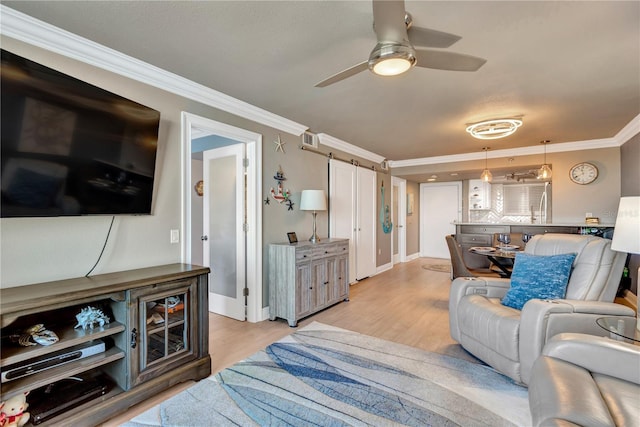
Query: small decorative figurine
point(36, 334)
point(12, 411)
point(89, 317)
point(279, 194)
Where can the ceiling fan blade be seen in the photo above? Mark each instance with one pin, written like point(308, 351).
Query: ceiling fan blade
point(449, 61)
point(344, 74)
point(388, 21)
point(426, 37)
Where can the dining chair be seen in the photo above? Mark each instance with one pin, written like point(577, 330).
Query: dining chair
point(459, 268)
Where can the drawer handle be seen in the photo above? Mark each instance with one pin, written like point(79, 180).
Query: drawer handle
point(326, 283)
point(326, 252)
point(134, 338)
point(304, 256)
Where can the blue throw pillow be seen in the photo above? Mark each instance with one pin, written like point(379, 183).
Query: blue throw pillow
point(537, 276)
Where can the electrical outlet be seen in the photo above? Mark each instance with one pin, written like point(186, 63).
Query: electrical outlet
point(588, 215)
point(175, 236)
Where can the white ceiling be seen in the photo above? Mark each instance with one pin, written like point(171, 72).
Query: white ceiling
point(570, 69)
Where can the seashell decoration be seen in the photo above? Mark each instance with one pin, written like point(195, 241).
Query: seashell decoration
point(89, 317)
point(37, 334)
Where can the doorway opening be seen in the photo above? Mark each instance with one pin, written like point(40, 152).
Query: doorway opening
point(242, 159)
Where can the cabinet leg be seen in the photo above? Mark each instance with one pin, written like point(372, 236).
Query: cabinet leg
point(293, 324)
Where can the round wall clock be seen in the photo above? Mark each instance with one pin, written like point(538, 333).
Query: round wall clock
point(583, 173)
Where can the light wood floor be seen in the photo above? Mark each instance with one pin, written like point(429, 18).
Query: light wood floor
point(407, 304)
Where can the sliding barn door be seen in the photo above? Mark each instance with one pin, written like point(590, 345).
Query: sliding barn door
point(342, 208)
point(352, 196)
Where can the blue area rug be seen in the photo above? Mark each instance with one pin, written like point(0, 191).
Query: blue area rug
point(327, 376)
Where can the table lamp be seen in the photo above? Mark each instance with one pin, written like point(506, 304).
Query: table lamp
point(313, 200)
point(626, 235)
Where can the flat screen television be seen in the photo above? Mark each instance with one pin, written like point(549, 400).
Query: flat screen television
point(71, 148)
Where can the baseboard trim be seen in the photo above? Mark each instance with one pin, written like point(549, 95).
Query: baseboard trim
point(412, 257)
point(384, 267)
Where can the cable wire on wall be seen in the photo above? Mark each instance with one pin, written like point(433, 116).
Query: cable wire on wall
point(103, 247)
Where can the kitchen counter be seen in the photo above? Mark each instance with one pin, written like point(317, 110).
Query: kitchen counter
point(562, 224)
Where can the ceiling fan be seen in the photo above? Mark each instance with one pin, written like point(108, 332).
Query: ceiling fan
point(401, 46)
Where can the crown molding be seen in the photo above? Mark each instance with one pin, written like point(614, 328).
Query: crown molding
point(341, 145)
point(27, 29)
point(591, 144)
point(629, 131)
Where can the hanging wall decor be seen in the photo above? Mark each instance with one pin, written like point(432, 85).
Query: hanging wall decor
point(199, 187)
point(385, 215)
point(279, 144)
point(279, 193)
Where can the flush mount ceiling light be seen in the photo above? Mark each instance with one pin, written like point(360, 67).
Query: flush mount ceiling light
point(391, 59)
point(494, 129)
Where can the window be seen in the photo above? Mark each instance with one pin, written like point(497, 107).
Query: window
point(523, 199)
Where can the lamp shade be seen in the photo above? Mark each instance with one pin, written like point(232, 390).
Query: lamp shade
point(626, 235)
point(313, 200)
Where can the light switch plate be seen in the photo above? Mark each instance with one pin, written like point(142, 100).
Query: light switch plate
point(175, 236)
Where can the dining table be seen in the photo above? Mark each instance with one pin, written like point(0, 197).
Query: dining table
point(501, 256)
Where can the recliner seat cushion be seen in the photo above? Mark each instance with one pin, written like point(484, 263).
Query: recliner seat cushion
point(494, 325)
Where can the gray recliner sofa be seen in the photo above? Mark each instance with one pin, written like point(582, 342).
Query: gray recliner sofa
point(510, 340)
point(584, 380)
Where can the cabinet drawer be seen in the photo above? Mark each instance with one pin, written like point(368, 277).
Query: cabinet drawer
point(323, 251)
point(475, 239)
point(484, 229)
point(303, 254)
point(342, 248)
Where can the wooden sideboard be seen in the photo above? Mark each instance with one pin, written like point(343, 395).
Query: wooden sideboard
point(305, 278)
point(157, 336)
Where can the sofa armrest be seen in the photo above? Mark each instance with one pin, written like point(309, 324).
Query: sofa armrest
point(597, 355)
point(541, 319)
point(462, 286)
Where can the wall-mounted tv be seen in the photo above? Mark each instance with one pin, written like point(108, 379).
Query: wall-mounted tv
point(71, 148)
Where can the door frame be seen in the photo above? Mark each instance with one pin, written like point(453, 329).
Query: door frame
point(253, 145)
point(400, 222)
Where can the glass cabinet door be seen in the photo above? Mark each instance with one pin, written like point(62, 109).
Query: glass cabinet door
point(162, 330)
point(167, 321)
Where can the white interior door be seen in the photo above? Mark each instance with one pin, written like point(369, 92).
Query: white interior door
point(342, 207)
point(224, 247)
point(440, 206)
point(366, 223)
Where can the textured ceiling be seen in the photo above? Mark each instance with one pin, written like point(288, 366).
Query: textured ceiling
point(571, 69)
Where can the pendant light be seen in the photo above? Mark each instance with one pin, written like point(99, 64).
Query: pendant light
point(486, 173)
point(545, 170)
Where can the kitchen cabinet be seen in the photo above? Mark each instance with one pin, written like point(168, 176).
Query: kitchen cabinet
point(479, 195)
point(305, 278)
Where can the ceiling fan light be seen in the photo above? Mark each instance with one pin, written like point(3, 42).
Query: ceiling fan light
point(391, 66)
point(494, 129)
point(391, 59)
